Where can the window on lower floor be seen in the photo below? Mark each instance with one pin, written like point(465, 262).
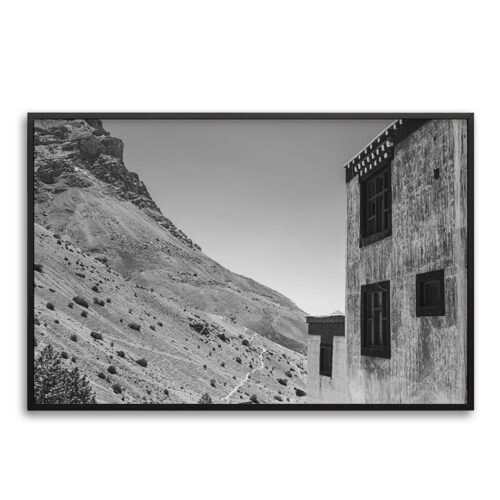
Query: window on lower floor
point(325, 359)
point(430, 294)
point(375, 320)
point(376, 207)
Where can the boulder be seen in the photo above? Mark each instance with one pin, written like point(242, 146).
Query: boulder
point(50, 170)
point(90, 148)
point(112, 146)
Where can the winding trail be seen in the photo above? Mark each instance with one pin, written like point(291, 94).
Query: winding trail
point(249, 374)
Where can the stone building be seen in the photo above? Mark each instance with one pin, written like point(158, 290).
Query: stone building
point(406, 273)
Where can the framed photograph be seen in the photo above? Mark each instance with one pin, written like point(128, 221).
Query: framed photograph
point(250, 261)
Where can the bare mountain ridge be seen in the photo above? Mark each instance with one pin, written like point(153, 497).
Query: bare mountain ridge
point(102, 213)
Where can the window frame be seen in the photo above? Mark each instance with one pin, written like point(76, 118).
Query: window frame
point(364, 238)
point(325, 372)
point(422, 279)
point(381, 351)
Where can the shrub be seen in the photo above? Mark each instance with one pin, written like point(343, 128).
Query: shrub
point(84, 314)
point(116, 388)
point(64, 355)
point(101, 375)
point(278, 398)
point(238, 360)
point(212, 382)
point(108, 300)
point(96, 336)
point(205, 399)
point(74, 338)
point(142, 362)
point(80, 275)
point(166, 392)
point(70, 305)
point(38, 268)
point(98, 302)
point(160, 323)
point(253, 399)
point(112, 370)
point(55, 384)
point(245, 343)
point(288, 373)
point(120, 354)
point(134, 326)
point(152, 328)
point(50, 306)
point(80, 301)
point(282, 381)
point(95, 288)
point(299, 392)
point(223, 337)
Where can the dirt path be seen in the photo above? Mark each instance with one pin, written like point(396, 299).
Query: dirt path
point(249, 374)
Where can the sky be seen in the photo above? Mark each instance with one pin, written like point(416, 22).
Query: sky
point(264, 198)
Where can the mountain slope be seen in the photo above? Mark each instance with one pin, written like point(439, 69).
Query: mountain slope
point(109, 230)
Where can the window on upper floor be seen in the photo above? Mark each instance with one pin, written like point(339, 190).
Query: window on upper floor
point(375, 320)
point(430, 293)
point(376, 206)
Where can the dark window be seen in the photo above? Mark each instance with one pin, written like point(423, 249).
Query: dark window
point(430, 293)
point(375, 320)
point(325, 359)
point(376, 204)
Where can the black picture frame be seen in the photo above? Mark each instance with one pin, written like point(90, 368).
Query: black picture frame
point(469, 117)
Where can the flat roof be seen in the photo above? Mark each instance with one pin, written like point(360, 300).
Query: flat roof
point(336, 318)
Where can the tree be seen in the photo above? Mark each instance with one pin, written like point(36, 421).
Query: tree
point(56, 384)
point(205, 399)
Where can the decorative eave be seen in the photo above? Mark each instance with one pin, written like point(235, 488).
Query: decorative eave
point(326, 327)
point(337, 318)
point(380, 150)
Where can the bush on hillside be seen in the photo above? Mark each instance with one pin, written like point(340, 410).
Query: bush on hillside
point(81, 301)
point(96, 336)
point(205, 399)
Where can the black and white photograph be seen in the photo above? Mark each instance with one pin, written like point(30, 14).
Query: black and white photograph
point(250, 261)
point(249, 250)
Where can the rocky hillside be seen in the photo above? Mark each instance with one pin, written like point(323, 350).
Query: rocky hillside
point(150, 292)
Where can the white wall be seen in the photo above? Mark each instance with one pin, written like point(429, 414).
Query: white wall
point(248, 56)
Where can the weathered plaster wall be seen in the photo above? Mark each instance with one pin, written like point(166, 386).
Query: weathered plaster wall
point(321, 389)
point(428, 233)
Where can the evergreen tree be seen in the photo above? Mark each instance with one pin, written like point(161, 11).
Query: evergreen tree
point(56, 384)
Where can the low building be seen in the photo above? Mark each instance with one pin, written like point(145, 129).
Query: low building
point(326, 359)
point(406, 272)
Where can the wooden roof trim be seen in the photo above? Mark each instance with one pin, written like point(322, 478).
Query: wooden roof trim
point(381, 149)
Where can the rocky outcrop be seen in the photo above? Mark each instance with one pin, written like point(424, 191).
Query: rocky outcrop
point(64, 149)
